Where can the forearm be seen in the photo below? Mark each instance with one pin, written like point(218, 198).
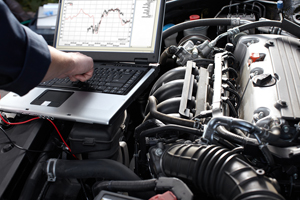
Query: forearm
point(60, 63)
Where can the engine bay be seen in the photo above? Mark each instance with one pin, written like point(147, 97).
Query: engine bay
point(221, 121)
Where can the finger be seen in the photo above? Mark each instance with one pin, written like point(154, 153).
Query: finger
point(85, 76)
point(82, 77)
point(73, 78)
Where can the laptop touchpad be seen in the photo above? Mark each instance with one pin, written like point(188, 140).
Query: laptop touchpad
point(52, 98)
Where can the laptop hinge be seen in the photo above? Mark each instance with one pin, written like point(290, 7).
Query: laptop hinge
point(141, 61)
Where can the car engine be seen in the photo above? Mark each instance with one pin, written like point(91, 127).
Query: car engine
point(221, 121)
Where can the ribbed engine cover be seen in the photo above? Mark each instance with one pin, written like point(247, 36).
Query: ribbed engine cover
point(277, 75)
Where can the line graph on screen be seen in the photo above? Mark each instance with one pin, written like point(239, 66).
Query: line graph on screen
point(96, 23)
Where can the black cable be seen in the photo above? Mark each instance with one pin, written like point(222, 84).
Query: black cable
point(83, 189)
point(232, 108)
point(238, 98)
point(231, 70)
point(231, 85)
point(19, 147)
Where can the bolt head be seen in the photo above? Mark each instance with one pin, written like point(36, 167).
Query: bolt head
point(261, 115)
point(158, 152)
point(286, 129)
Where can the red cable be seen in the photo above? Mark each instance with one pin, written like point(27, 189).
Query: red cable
point(18, 123)
point(61, 137)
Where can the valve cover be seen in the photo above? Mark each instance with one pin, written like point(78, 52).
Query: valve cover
point(269, 77)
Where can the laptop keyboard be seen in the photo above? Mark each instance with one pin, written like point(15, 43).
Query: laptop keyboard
point(113, 80)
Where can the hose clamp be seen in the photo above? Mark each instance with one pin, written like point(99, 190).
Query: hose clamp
point(51, 170)
point(233, 31)
point(197, 124)
point(235, 21)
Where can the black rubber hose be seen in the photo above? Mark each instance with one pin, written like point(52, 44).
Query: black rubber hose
point(259, 24)
point(167, 53)
point(195, 23)
point(36, 178)
point(169, 128)
point(148, 124)
point(285, 25)
point(218, 172)
point(125, 186)
point(82, 169)
point(165, 118)
point(225, 143)
point(224, 133)
point(33, 184)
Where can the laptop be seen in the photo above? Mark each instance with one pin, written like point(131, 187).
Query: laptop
point(123, 34)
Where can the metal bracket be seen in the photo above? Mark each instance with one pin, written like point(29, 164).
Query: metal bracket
point(51, 170)
point(187, 89)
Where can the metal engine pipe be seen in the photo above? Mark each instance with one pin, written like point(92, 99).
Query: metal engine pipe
point(173, 74)
point(172, 89)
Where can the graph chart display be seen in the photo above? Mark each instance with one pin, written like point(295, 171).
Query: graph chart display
point(96, 23)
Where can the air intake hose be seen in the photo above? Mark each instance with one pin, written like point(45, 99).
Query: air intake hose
point(218, 172)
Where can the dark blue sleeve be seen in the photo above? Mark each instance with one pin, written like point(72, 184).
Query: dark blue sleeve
point(24, 55)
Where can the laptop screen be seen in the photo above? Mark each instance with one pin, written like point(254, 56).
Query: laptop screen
point(111, 30)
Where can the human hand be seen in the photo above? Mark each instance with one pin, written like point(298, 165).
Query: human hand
point(76, 66)
point(81, 67)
